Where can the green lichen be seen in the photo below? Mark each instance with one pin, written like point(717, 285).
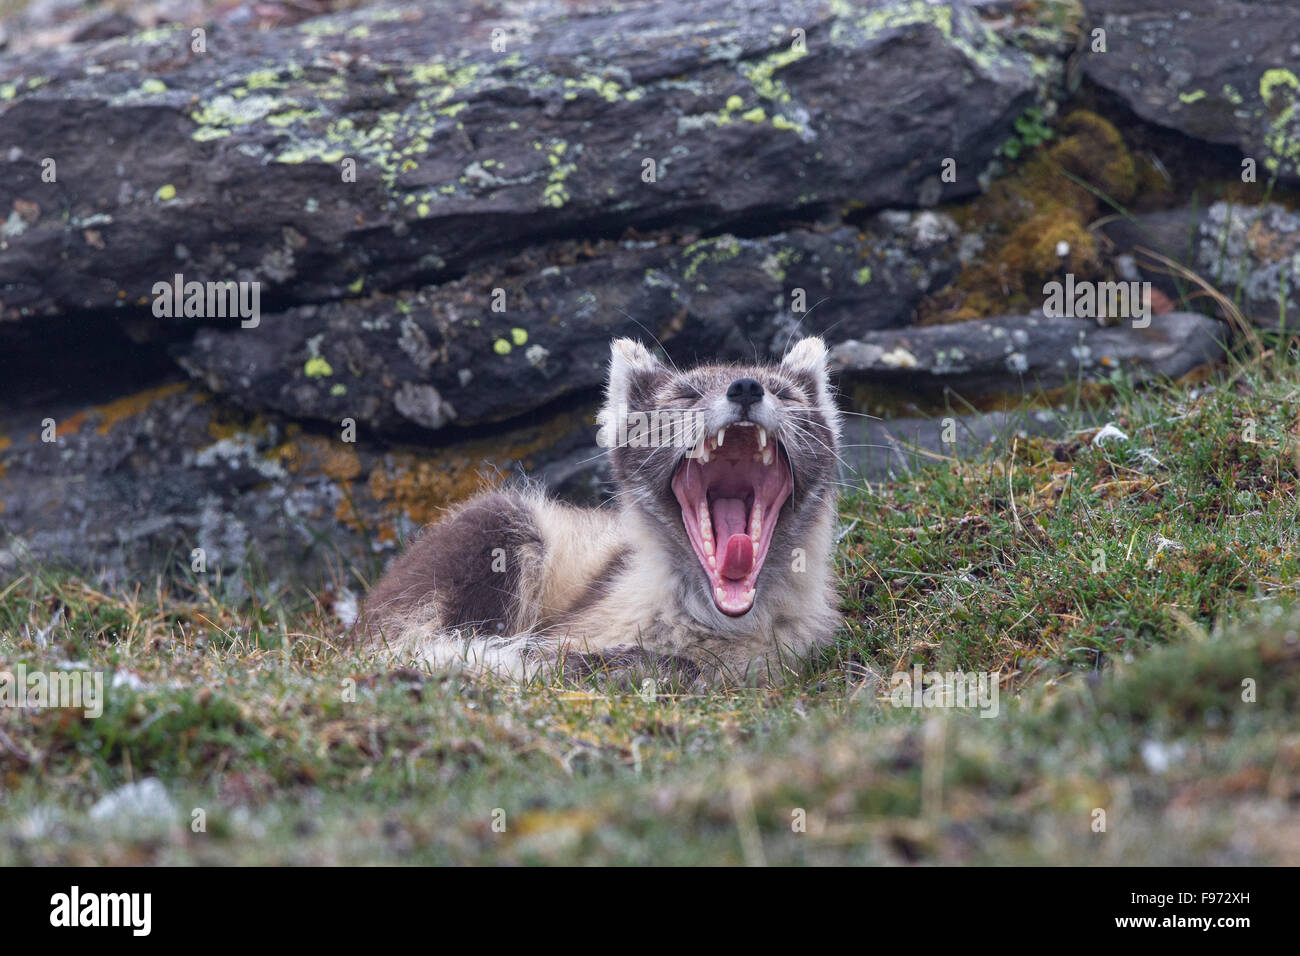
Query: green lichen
point(712, 251)
point(519, 336)
point(225, 110)
point(156, 36)
point(976, 40)
point(1281, 141)
point(501, 347)
point(166, 193)
point(554, 193)
point(263, 80)
point(756, 115)
point(1193, 97)
point(863, 275)
point(1272, 79)
point(607, 89)
point(289, 117)
point(762, 75)
point(317, 367)
point(153, 86)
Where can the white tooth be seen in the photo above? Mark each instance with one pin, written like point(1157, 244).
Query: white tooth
point(713, 562)
point(708, 545)
point(722, 595)
point(762, 437)
point(750, 595)
point(756, 521)
point(722, 433)
point(769, 456)
point(704, 453)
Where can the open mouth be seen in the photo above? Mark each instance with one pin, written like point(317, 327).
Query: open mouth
point(731, 497)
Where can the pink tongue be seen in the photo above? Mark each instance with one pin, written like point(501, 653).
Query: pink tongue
point(729, 526)
point(739, 557)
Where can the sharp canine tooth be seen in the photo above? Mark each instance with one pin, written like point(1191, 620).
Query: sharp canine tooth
point(762, 437)
point(749, 596)
point(722, 433)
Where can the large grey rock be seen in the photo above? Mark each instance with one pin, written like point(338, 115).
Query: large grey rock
point(1251, 254)
point(228, 164)
point(1223, 71)
point(132, 487)
point(1026, 353)
point(441, 354)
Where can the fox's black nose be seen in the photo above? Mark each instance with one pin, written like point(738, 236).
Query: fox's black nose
point(744, 392)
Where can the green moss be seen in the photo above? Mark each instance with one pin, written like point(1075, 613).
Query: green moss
point(1025, 215)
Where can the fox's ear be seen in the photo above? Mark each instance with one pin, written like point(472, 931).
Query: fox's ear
point(631, 367)
point(632, 372)
point(808, 357)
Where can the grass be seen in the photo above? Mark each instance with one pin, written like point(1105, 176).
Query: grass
point(1137, 596)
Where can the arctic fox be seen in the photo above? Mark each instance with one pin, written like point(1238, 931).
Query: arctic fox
point(714, 566)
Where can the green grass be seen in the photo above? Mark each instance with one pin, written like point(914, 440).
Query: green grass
point(1123, 692)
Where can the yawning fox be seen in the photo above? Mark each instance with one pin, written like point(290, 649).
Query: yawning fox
point(714, 565)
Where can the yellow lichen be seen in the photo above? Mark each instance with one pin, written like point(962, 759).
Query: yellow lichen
point(131, 405)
